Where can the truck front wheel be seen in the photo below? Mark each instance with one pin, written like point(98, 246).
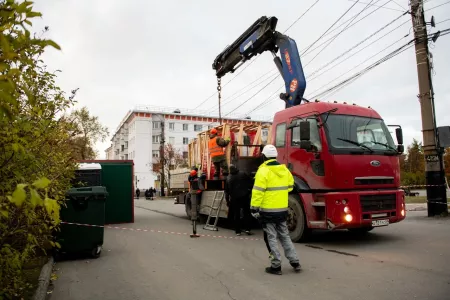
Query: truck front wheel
point(296, 222)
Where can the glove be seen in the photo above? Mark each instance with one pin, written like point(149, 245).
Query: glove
point(255, 213)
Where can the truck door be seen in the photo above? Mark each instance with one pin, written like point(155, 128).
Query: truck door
point(305, 163)
point(280, 142)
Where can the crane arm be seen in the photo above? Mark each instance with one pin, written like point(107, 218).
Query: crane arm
point(260, 37)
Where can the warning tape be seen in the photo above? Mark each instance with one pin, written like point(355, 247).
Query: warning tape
point(421, 185)
point(165, 232)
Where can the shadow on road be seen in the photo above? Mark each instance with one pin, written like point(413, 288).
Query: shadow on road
point(344, 237)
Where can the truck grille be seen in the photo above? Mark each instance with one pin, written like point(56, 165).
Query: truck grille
point(371, 203)
point(373, 180)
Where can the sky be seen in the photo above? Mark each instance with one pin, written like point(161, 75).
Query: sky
point(144, 52)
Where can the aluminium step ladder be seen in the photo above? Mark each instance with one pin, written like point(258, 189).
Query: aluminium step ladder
point(214, 211)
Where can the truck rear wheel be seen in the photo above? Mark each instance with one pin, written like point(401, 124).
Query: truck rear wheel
point(298, 228)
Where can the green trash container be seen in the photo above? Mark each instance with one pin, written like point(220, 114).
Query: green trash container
point(85, 206)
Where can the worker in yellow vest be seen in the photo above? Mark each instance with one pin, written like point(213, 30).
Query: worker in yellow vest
point(269, 204)
point(218, 156)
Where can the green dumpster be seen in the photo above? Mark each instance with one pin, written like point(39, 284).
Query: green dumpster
point(83, 220)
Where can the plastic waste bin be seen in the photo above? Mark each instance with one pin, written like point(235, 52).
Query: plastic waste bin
point(84, 206)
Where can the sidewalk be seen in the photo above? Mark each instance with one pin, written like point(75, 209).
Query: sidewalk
point(418, 206)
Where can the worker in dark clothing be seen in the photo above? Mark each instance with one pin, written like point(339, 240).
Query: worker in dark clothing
point(237, 194)
point(138, 193)
point(195, 191)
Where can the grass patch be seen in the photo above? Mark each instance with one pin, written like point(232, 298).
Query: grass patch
point(418, 199)
point(31, 271)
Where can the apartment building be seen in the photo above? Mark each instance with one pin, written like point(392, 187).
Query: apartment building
point(138, 136)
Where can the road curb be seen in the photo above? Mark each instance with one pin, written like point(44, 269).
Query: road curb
point(44, 280)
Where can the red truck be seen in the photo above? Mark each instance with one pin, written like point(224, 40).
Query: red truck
point(345, 165)
point(343, 158)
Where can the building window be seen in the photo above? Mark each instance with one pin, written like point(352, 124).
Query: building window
point(155, 153)
point(172, 140)
point(185, 155)
point(185, 127)
point(156, 139)
point(198, 127)
point(156, 124)
point(185, 141)
point(171, 126)
point(126, 145)
point(280, 135)
point(126, 156)
point(122, 147)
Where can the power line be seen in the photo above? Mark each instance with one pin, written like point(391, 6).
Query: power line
point(384, 49)
point(330, 27)
point(339, 33)
point(301, 16)
point(355, 46)
point(382, 7)
point(359, 20)
point(343, 54)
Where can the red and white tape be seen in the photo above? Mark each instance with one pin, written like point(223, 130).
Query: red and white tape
point(421, 185)
point(165, 232)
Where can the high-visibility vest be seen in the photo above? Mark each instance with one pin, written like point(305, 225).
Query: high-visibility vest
point(273, 182)
point(214, 149)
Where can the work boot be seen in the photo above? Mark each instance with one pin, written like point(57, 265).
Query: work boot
point(274, 271)
point(297, 267)
point(248, 232)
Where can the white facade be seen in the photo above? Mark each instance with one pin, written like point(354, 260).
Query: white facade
point(138, 137)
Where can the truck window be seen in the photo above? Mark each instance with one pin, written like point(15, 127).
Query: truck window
point(280, 135)
point(314, 134)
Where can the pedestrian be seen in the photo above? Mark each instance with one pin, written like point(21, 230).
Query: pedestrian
point(138, 192)
point(150, 193)
point(195, 191)
point(218, 157)
point(269, 204)
point(237, 195)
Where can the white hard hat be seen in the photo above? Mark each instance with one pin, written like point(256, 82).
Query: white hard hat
point(270, 151)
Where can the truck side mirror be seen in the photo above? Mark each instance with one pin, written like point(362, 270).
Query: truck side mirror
point(399, 135)
point(400, 149)
point(305, 131)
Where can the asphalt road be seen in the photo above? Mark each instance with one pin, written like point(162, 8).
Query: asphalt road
point(408, 260)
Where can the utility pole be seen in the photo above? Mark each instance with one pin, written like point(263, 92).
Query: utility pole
point(434, 167)
point(162, 158)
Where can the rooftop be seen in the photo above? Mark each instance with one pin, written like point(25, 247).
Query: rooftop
point(188, 112)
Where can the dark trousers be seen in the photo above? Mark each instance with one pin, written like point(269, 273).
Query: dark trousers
point(237, 205)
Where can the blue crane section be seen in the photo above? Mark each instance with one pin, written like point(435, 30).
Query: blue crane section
point(260, 37)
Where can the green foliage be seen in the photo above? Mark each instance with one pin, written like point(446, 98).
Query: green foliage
point(86, 131)
point(34, 146)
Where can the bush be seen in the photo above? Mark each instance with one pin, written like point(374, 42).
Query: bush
point(34, 146)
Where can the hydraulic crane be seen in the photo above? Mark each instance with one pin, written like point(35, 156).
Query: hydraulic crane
point(260, 37)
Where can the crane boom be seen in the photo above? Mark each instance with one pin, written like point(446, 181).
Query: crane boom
point(261, 36)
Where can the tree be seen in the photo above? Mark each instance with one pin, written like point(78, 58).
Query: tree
point(447, 163)
point(172, 159)
point(87, 130)
point(36, 160)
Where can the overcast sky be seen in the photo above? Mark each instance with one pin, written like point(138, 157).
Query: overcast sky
point(125, 53)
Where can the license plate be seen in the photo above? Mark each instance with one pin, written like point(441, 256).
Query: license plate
point(378, 223)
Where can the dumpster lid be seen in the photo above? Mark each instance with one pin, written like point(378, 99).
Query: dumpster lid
point(91, 190)
point(89, 166)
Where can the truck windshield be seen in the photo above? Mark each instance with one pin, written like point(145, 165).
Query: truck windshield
point(346, 132)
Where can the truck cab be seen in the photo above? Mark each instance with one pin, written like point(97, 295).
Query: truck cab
point(345, 165)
